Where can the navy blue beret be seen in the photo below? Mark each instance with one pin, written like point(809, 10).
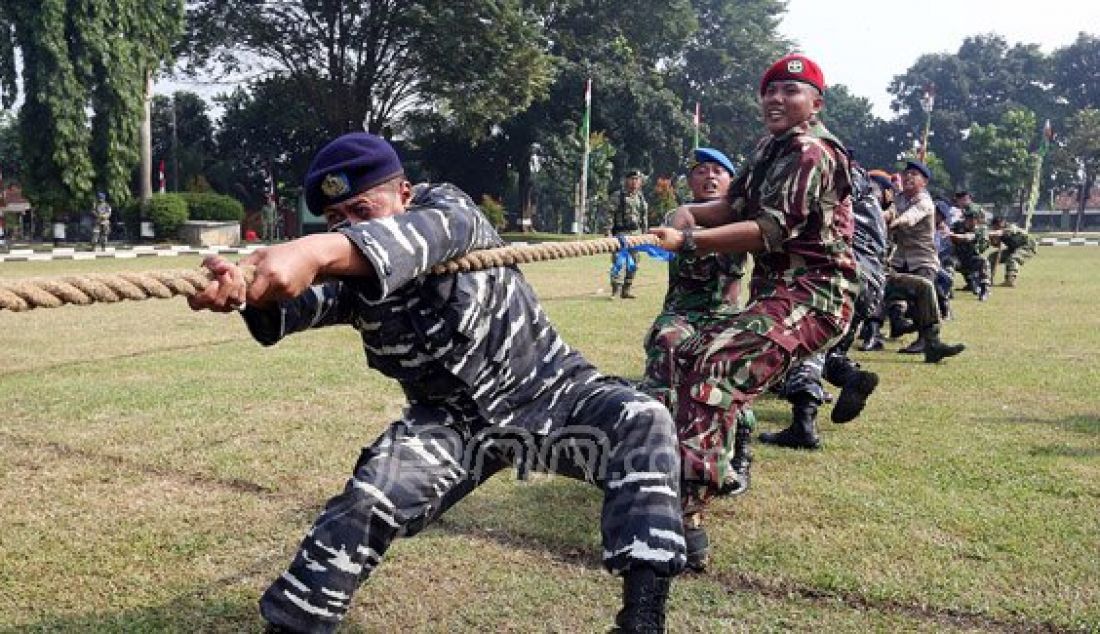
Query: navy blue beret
point(349, 165)
point(883, 181)
point(711, 155)
point(920, 167)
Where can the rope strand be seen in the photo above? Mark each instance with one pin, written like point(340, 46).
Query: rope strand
point(18, 295)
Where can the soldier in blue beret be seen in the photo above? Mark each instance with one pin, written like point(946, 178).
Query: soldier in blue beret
point(703, 290)
point(489, 382)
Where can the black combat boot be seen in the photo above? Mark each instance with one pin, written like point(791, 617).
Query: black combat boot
point(936, 350)
point(983, 291)
point(872, 336)
point(853, 396)
point(802, 433)
point(899, 325)
point(739, 475)
point(626, 290)
point(644, 596)
point(696, 542)
point(615, 286)
point(916, 347)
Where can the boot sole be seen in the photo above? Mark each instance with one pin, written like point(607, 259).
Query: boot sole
point(853, 398)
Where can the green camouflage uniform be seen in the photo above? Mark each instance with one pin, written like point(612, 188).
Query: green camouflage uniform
point(630, 217)
point(101, 229)
point(1016, 246)
point(703, 290)
point(969, 253)
point(797, 187)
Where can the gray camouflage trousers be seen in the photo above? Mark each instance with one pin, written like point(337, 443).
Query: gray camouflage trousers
point(614, 437)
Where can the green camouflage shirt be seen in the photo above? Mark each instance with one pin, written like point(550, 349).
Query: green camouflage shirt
point(797, 186)
point(975, 247)
point(629, 213)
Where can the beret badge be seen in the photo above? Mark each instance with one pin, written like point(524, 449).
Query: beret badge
point(794, 66)
point(335, 184)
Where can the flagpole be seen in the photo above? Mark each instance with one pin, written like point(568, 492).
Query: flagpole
point(926, 104)
point(581, 208)
point(697, 119)
point(1037, 173)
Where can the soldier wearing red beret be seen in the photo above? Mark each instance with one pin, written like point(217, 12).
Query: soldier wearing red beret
point(790, 207)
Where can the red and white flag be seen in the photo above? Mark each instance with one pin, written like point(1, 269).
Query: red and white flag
point(160, 175)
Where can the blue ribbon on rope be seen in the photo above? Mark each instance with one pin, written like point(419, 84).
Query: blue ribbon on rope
point(623, 258)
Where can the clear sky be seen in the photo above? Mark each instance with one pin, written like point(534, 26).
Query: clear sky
point(864, 44)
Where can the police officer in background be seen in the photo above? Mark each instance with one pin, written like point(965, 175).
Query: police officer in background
point(630, 216)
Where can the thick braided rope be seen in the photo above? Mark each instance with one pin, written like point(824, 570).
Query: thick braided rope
point(19, 295)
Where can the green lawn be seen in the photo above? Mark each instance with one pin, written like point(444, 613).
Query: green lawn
point(158, 469)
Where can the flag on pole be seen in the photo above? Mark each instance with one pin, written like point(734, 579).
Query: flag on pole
point(585, 128)
point(587, 121)
point(1037, 173)
point(697, 120)
point(269, 181)
point(160, 175)
point(1046, 138)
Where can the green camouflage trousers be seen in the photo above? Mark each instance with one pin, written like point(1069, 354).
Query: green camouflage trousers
point(722, 368)
point(669, 330)
point(1011, 258)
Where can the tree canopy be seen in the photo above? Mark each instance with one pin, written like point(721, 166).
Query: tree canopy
point(370, 62)
point(84, 68)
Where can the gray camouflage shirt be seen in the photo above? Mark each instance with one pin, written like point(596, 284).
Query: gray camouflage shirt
point(478, 334)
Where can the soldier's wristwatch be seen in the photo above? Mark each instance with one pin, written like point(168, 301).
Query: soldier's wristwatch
point(688, 247)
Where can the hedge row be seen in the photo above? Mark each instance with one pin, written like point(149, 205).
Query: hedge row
point(168, 212)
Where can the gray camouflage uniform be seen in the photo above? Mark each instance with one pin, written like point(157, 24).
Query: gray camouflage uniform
point(490, 384)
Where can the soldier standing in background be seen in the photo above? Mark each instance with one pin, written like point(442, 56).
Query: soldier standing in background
point(268, 219)
point(101, 222)
point(629, 217)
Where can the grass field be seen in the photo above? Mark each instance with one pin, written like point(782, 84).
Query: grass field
point(159, 468)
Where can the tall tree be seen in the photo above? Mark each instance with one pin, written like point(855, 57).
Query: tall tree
point(976, 85)
point(8, 75)
point(85, 65)
point(269, 126)
point(721, 67)
point(1082, 146)
point(624, 47)
point(371, 61)
point(997, 158)
point(11, 149)
point(849, 117)
point(183, 137)
point(1075, 72)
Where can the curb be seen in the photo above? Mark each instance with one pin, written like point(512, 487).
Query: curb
point(70, 253)
point(1068, 242)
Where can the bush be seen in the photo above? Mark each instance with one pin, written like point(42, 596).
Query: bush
point(493, 210)
point(204, 206)
point(168, 213)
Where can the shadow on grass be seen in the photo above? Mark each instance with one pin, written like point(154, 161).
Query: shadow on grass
point(1086, 424)
point(186, 614)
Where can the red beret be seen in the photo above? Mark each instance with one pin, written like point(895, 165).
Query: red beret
point(794, 67)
